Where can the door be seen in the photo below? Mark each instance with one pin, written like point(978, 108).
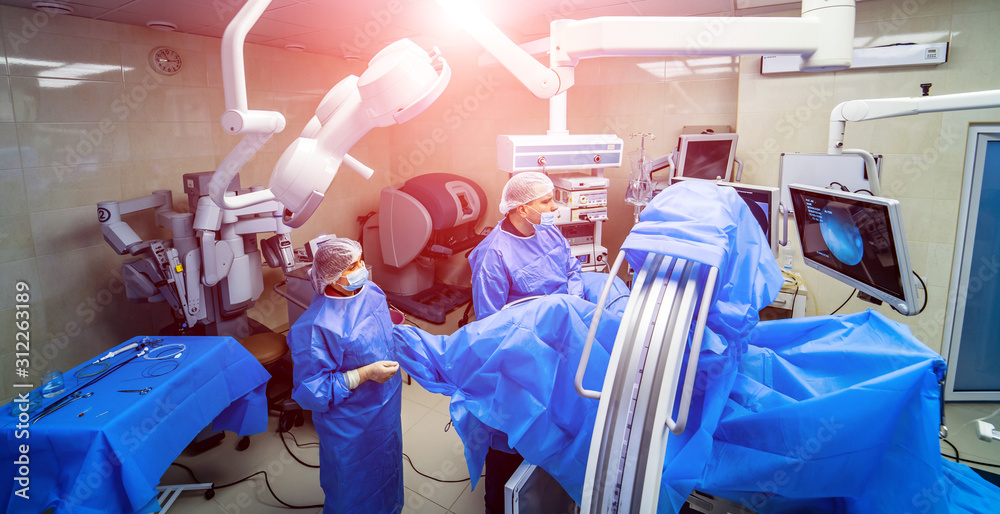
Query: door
point(973, 317)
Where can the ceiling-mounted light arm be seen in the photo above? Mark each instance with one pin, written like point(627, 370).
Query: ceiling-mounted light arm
point(873, 109)
point(238, 118)
point(538, 78)
point(823, 35)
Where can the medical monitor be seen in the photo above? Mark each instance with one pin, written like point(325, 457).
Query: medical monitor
point(857, 239)
point(763, 203)
point(706, 156)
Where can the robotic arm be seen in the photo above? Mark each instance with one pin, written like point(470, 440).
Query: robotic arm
point(400, 82)
point(861, 110)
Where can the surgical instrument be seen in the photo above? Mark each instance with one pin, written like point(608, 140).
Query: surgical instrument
point(72, 398)
point(140, 391)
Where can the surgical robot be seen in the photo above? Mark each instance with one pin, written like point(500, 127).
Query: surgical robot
point(210, 270)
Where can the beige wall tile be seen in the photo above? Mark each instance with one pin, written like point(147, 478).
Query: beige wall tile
point(168, 140)
point(51, 188)
point(70, 57)
point(87, 269)
point(976, 32)
point(63, 100)
point(6, 103)
point(15, 238)
point(56, 232)
point(13, 199)
point(166, 103)
point(23, 25)
point(146, 176)
point(13, 272)
point(72, 144)
point(943, 228)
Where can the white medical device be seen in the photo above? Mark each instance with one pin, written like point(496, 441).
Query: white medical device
point(210, 270)
point(558, 152)
point(857, 239)
point(873, 109)
point(400, 82)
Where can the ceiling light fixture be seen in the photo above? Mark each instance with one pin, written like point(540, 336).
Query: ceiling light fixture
point(162, 25)
point(295, 47)
point(53, 7)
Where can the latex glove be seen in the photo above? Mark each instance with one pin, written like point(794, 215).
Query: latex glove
point(380, 371)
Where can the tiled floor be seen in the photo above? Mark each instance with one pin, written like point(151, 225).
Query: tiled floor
point(432, 450)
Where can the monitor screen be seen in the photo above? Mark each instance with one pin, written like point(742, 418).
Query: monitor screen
point(706, 156)
point(858, 239)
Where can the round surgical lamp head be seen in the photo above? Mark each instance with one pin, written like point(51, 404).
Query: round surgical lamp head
point(399, 75)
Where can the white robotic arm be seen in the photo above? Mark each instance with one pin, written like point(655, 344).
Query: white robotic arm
point(400, 82)
point(861, 110)
point(823, 36)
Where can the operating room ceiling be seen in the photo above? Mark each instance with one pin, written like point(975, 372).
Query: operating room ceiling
point(359, 28)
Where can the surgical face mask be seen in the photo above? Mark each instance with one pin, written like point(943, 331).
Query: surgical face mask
point(548, 218)
point(356, 279)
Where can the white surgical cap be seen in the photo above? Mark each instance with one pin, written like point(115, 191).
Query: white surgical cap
point(332, 258)
point(523, 188)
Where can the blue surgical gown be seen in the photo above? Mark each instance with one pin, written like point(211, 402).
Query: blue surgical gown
point(506, 267)
point(361, 439)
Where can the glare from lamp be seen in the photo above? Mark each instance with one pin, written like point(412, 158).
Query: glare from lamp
point(295, 47)
point(466, 14)
point(53, 7)
point(162, 25)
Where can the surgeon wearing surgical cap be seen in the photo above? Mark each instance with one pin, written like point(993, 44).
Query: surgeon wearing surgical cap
point(345, 374)
point(525, 255)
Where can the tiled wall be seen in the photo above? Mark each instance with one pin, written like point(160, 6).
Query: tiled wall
point(924, 155)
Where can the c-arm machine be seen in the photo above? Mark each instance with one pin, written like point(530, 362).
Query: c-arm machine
point(400, 82)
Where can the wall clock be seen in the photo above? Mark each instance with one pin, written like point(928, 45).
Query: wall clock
point(165, 60)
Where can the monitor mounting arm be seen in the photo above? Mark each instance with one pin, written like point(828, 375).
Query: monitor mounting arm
point(873, 109)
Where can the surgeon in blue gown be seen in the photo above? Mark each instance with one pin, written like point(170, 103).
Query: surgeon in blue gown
point(345, 374)
point(525, 255)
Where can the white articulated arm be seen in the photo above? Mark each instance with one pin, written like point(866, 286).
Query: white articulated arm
point(401, 81)
point(862, 110)
point(823, 36)
point(873, 109)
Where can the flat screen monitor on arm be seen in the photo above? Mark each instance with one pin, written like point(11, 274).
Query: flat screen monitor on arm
point(706, 156)
point(857, 239)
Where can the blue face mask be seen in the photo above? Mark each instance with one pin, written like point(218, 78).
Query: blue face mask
point(356, 279)
point(548, 218)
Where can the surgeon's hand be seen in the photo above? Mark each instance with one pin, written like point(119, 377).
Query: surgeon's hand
point(380, 371)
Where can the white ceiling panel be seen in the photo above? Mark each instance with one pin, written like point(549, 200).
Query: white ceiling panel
point(326, 26)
